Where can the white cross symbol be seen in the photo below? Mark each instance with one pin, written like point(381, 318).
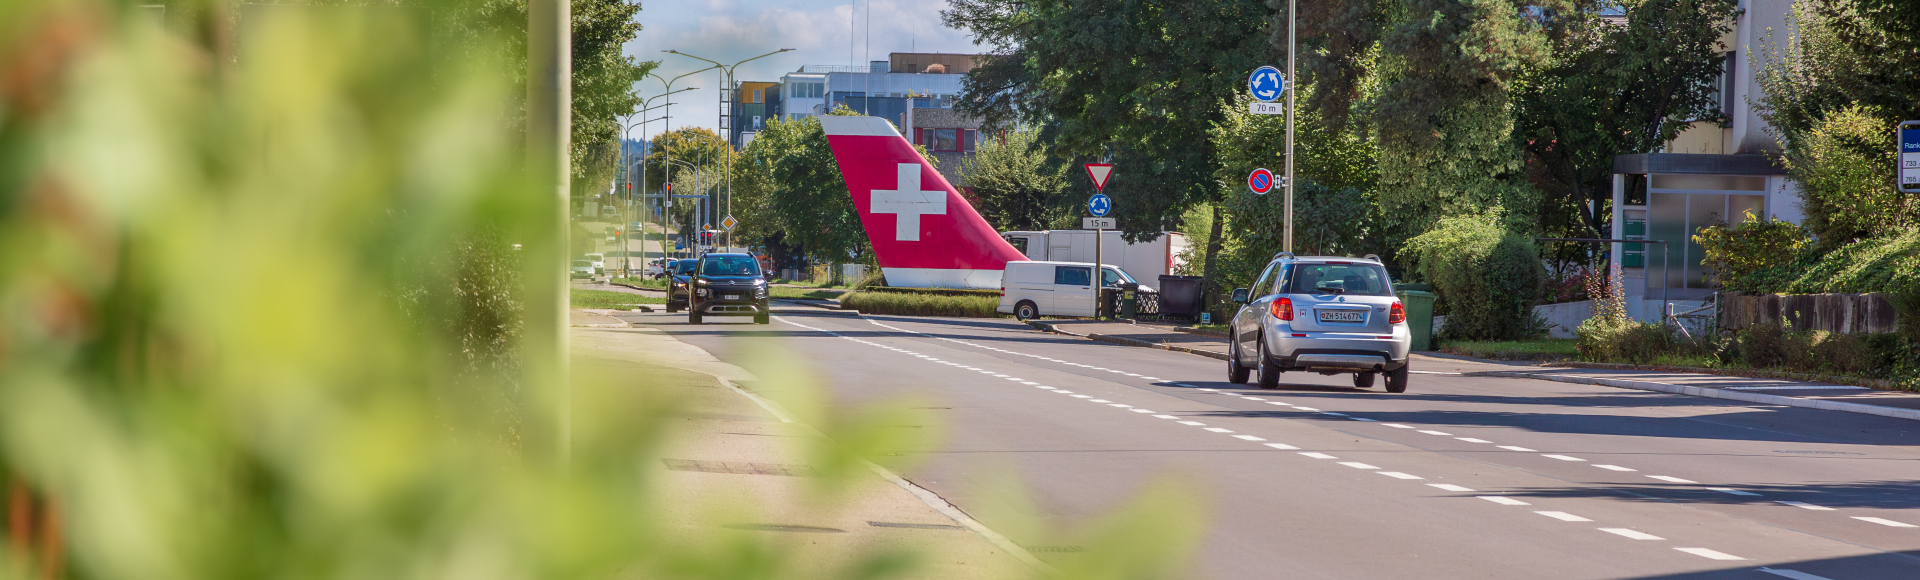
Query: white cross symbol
point(908, 202)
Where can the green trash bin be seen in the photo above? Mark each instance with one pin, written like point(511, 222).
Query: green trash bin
point(1419, 317)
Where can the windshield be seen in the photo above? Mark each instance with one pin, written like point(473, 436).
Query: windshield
point(1340, 278)
point(1111, 276)
point(729, 266)
point(684, 266)
point(582, 264)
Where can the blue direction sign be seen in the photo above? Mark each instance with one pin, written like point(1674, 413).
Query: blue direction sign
point(1910, 156)
point(1266, 84)
point(1099, 204)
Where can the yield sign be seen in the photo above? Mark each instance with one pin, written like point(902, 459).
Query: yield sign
point(1099, 173)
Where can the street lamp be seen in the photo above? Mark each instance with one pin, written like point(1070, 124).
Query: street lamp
point(626, 167)
point(727, 72)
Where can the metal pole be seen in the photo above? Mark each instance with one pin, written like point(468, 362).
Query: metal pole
point(549, 128)
point(1286, 241)
point(1099, 269)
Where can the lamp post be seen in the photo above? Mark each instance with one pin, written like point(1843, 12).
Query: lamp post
point(701, 183)
point(626, 166)
point(666, 150)
point(727, 71)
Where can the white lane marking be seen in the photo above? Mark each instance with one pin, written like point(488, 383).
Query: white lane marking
point(1193, 423)
point(1614, 467)
point(1080, 396)
point(1253, 398)
point(1318, 455)
point(1451, 487)
point(1123, 406)
point(1148, 378)
point(1358, 465)
point(1397, 425)
point(1165, 417)
point(1281, 446)
point(1132, 375)
point(1516, 448)
point(1631, 534)
point(1501, 500)
point(1793, 574)
point(1398, 475)
point(1219, 430)
point(1016, 379)
point(1885, 522)
point(1564, 516)
point(1431, 372)
point(1098, 401)
point(1029, 383)
point(1139, 410)
point(1804, 505)
point(1472, 440)
point(1438, 433)
point(1561, 457)
point(997, 374)
point(1248, 437)
point(1280, 403)
point(1826, 386)
point(1672, 479)
point(1710, 554)
point(1305, 408)
point(1063, 391)
point(1733, 491)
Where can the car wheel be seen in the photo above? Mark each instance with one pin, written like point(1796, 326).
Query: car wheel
point(1236, 374)
point(1397, 378)
point(1269, 372)
point(1026, 310)
point(1363, 380)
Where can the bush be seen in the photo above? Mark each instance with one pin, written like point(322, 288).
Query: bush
point(1773, 346)
point(1487, 277)
point(1732, 253)
point(1601, 340)
point(1845, 169)
point(1885, 264)
point(912, 304)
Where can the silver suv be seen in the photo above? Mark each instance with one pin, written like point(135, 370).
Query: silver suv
point(1322, 314)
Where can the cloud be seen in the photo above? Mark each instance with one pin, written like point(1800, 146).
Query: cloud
point(825, 32)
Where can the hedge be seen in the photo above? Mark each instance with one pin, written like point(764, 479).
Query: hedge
point(971, 305)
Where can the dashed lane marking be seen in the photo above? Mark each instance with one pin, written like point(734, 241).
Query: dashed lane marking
point(1193, 423)
point(1397, 425)
point(1318, 455)
point(1502, 500)
point(1437, 433)
point(1614, 467)
point(1451, 487)
point(1472, 440)
point(1165, 417)
point(1563, 516)
point(1672, 479)
point(1561, 457)
point(1885, 522)
point(1398, 475)
point(1516, 448)
point(1804, 505)
point(1633, 534)
point(1248, 437)
point(1710, 554)
point(1359, 465)
point(1139, 410)
point(1219, 430)
point(1733, 491)
point(1305, 408)
point(1281, 446)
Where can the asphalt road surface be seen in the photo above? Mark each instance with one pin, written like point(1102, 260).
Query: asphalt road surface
point(1461, 477)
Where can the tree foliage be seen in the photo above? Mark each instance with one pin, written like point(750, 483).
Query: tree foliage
point(1845, 166)
point(1486, 277)
point(1016, 186)
point(787, 186)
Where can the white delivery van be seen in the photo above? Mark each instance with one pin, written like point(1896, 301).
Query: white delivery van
point(1033, 289)
point(1149, 259)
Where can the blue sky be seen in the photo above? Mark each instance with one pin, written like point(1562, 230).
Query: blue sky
point(820, 32)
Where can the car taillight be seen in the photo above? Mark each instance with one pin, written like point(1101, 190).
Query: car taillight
point(1282, 309)
point(1397, 315)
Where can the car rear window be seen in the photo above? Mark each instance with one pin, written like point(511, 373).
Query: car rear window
point(684, 266)
point(1340, 278)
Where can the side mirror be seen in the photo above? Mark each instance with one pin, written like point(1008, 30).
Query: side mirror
point(1240, 295)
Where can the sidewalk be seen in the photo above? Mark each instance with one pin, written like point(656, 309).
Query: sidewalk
point(731, 465)
point(1817, 395)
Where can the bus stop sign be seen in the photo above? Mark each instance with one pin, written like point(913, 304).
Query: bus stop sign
point(1909, 156)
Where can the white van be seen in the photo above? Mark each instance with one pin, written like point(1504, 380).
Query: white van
point(1033, 289)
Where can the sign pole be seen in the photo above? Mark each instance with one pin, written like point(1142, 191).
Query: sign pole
point(1099, 205)
point(1286, 239)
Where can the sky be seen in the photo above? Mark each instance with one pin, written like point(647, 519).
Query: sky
point(820, 32)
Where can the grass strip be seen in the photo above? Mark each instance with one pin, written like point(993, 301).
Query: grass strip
point(922, 304)
point(583, 298)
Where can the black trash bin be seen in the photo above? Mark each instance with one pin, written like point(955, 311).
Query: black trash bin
point(1180, 296)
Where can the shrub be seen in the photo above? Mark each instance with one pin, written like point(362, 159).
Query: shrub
point(1845, 169)
point(1487, 277)
point(966, 306)
point(1732, 253)
point(1886, 264)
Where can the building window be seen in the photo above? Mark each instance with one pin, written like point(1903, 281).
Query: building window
point(756, 95)
point(946, 140)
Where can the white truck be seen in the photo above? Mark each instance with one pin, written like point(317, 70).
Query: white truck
point(1145, 261)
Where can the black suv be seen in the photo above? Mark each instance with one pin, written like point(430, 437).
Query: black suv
point(679, 283)
point(728, 284)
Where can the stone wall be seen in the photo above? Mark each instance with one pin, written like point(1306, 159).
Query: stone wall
point(1836, 313)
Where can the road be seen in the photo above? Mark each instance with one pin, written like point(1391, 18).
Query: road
point(1461, 477)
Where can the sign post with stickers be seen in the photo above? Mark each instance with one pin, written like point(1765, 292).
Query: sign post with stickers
point(1909, 158)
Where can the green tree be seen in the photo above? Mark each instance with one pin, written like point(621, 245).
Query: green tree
point(790, 188)
point(1015, 185)
point(697, 146)
point(1845, 167)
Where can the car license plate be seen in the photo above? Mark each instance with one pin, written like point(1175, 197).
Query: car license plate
point(730, 297)
point(1343, 316)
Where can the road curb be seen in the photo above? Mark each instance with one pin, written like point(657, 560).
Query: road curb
point(1044, 327)
point(1895, 412)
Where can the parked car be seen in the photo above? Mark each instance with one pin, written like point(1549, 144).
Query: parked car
point(1030, 290)
point(582, 269)
point(680, 275)
point(729, 284)
point(1327, 315)
point(599, 263)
